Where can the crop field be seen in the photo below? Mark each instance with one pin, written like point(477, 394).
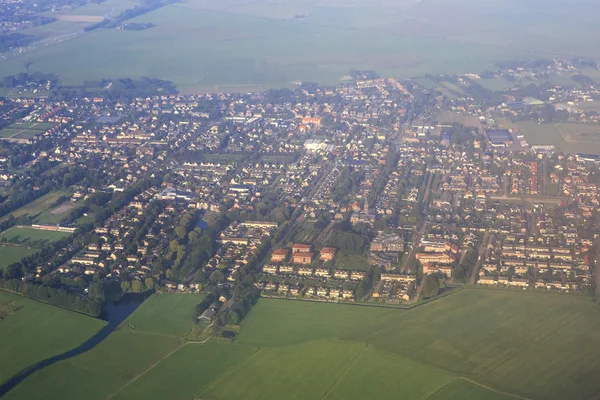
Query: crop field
point(38, 331)
point(472, 344)
point(38, 206)
point(32, 237)
point(11, 254)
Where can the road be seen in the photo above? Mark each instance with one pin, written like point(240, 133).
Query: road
point(595, 273)
point(480, 257)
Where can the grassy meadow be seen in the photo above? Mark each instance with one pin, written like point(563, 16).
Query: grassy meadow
point(10, 254)
point(472, 344)
point(38, 331)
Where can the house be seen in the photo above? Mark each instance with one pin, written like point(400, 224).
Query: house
point(357, 275)
point(328, 253)
point(347, 294)
point(322, 272)
point(398, 278)
point(305, 271)
point(487, 280)
point(301, 248)
point(279, 255)
point(519, 282)
point(322, 292)
point(340, 274)
point(303, 258)
point(286, 269)
point(270, 269)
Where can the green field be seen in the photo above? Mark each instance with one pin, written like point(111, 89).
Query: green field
point(10, 254)
point(167, 314)
point(472, 344)
point(32, 237)
point(223, 46)
point(352, 263)
point(38, 331)
point(39, 206)
point(187, 372)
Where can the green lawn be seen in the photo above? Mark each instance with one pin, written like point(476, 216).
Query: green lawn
point(10, 255)
point(167, 314)
point(32, 237)
point(38, 331)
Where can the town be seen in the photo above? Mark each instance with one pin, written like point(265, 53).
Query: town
point(374, 191)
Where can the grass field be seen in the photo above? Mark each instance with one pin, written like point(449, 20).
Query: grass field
point(473, 344)
point(10, 254)
point(32, 237)
point(38, 331)
point(155, 329)
point(37, 207)
point(167, 314)
point(187, 372)
point(352, 263)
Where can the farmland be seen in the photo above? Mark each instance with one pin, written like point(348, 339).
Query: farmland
point(472, 344)
point(38, 331)
point(208, 46)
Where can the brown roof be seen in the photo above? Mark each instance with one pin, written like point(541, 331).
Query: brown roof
point(281, 252)
point(328, 250)
point(302, 246)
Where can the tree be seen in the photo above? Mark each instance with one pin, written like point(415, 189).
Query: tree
point(181, 232)
point(431, 286)
point(217, 276)
point(137, 286)
point(234, 317)
point(169, 274)
point(149, 283)
point(125, 286)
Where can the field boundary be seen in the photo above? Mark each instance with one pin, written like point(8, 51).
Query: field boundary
point(145, 370)
point(197, 397)
point(336, 380)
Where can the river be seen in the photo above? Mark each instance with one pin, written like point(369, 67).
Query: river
point(114, 314)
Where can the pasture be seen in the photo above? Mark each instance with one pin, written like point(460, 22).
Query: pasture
point(472, 344)
point(38, 331)
point(11, 254)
